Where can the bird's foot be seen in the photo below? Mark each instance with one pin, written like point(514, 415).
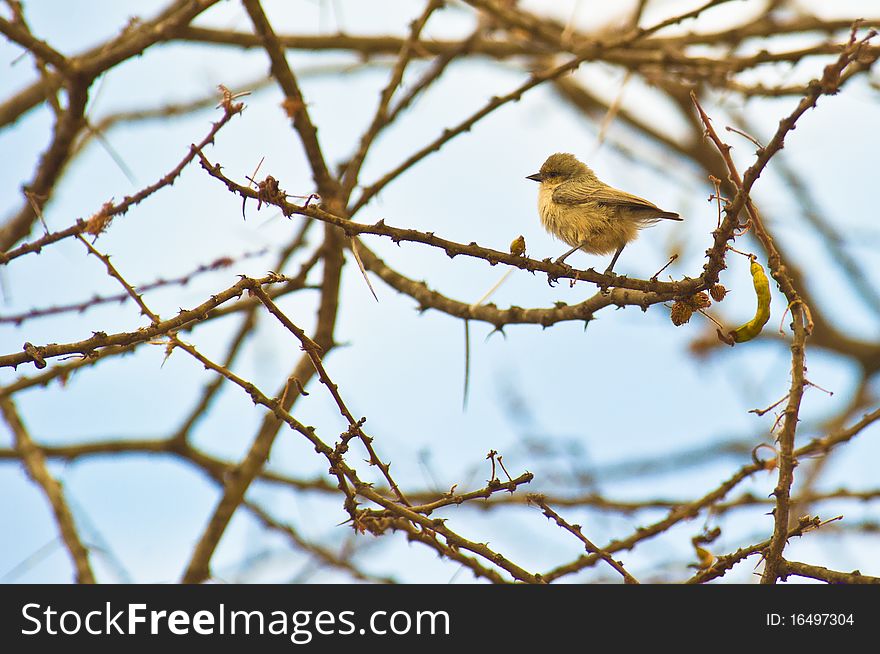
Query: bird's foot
point(605, 286)
point(551, 278)
point(560, 261)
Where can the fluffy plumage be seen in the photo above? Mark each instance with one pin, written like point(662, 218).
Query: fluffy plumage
point(577, 207)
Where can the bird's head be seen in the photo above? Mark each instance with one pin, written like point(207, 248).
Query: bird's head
point(560, 167)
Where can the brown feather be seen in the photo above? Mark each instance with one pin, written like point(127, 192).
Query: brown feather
point(575, 192)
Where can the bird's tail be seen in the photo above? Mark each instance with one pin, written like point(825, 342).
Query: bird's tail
point(647, 219)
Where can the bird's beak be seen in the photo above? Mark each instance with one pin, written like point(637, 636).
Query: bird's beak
point(537, 177)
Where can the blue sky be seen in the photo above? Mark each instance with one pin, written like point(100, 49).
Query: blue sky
point(625, 387)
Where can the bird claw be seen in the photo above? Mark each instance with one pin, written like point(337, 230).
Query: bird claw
point(568, 269)
point(552, 279)
point(560, 261)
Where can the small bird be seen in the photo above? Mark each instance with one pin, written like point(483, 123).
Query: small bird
point(578, 208)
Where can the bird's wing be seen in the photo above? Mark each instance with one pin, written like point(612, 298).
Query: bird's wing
point(578, 192)
point(575, 192)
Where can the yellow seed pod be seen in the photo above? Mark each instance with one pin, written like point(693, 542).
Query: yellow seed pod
point(753, 327)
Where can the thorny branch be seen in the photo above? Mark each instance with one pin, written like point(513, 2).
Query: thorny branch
point(801, 321)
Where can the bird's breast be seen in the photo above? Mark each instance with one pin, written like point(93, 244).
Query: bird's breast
point(589, 224)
